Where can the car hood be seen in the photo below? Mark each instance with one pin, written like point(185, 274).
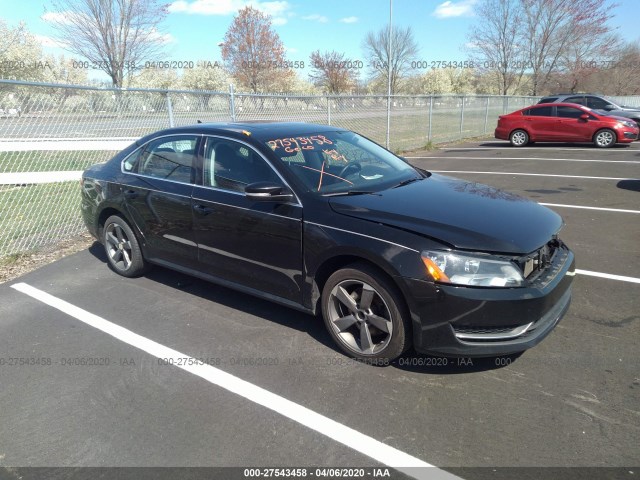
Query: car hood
point(626, 113)
point(463, 214)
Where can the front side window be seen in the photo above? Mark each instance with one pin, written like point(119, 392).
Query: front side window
point(169, 158)
point(597, 103)
point(230, 165)
point(569, 112)
point(341, 162)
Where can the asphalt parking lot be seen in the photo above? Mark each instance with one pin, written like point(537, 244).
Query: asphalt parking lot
point(77, 391)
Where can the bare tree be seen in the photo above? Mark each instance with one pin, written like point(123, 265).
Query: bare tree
point(622, 77)
point(497, 37)
point(254, 54)
point(584, 59)
point(115, 36)
point(333, 72)
point(403, 49)
point(551, 27)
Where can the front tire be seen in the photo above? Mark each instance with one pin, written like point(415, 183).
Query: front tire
point(604, 138)
point(366, 315)
point(122, 248)
point(519, 138)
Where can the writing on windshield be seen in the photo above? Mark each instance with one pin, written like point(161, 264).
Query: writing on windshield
point(298, 144)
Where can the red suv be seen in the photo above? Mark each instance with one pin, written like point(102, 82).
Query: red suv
point(564, 122)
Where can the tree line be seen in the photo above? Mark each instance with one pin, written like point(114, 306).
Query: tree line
point(515, 47)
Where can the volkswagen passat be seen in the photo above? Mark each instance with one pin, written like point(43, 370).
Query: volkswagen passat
point(326, 221)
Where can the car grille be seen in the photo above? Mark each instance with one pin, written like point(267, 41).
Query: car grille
point(535, 263)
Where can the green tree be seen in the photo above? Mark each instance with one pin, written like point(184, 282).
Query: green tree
point(20, 54)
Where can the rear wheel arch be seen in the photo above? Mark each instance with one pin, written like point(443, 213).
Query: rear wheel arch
point(108, 212)
point(515, 131)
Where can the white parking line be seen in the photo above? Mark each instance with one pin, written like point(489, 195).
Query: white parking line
point(621, 278)
point(364, 444)
point(527, 158)
point(548, 149)
point(618, 210)
point(533, 174)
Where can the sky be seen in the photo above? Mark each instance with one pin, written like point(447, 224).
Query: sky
point(194, 28)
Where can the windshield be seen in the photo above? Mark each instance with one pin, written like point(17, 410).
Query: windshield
point(332, 163)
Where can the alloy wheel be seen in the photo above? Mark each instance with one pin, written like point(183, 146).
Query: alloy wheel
point(360, 317)
point(118, 247)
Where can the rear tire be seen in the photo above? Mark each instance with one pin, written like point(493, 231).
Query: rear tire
point(519, 138)
point(604, 138)
point(122, 248)
point(366, 315)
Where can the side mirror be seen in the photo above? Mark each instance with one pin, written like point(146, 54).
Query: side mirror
point(584, 116)
point(609, 107)
point(267, 192)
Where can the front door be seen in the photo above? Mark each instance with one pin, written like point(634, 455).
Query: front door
point(257, 244)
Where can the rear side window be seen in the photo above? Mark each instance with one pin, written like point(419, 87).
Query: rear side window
point(169, 158)
point(578, 99)
point(540, 112)
point(548, 100)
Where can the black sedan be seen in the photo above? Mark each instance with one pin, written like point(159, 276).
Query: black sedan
point(321, 219)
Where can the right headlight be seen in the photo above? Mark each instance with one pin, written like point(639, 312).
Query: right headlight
point(627, 123)
point(473, 270)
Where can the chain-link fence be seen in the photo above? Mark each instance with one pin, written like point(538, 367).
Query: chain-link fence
point(49, 133)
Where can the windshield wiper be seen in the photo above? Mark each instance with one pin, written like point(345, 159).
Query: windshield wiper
point(350, 192)
point(407, 181)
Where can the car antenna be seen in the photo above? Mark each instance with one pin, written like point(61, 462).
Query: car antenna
point(199, 121)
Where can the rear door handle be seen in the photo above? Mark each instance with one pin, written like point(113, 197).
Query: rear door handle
point(131, 194)
point(202, 210)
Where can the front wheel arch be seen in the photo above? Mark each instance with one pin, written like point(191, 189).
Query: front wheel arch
point(605, 138)
point(387, 289)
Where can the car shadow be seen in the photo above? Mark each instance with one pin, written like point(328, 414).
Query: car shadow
point(311, 325)
point(233, 299)
point(630, 184)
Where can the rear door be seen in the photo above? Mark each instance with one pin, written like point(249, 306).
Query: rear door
point(541, 123)
point(158, 197)
point(256, 244)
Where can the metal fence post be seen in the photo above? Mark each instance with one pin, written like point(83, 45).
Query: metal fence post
point(328, 110)
point(486, 115)
point(430, 117)
point(462, 117)
point(232, 103)
point(170, 110)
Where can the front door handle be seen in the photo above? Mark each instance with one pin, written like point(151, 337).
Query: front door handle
point(202, 210)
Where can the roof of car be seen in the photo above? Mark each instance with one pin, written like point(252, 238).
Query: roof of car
point(558, 104)
point(259, 129)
